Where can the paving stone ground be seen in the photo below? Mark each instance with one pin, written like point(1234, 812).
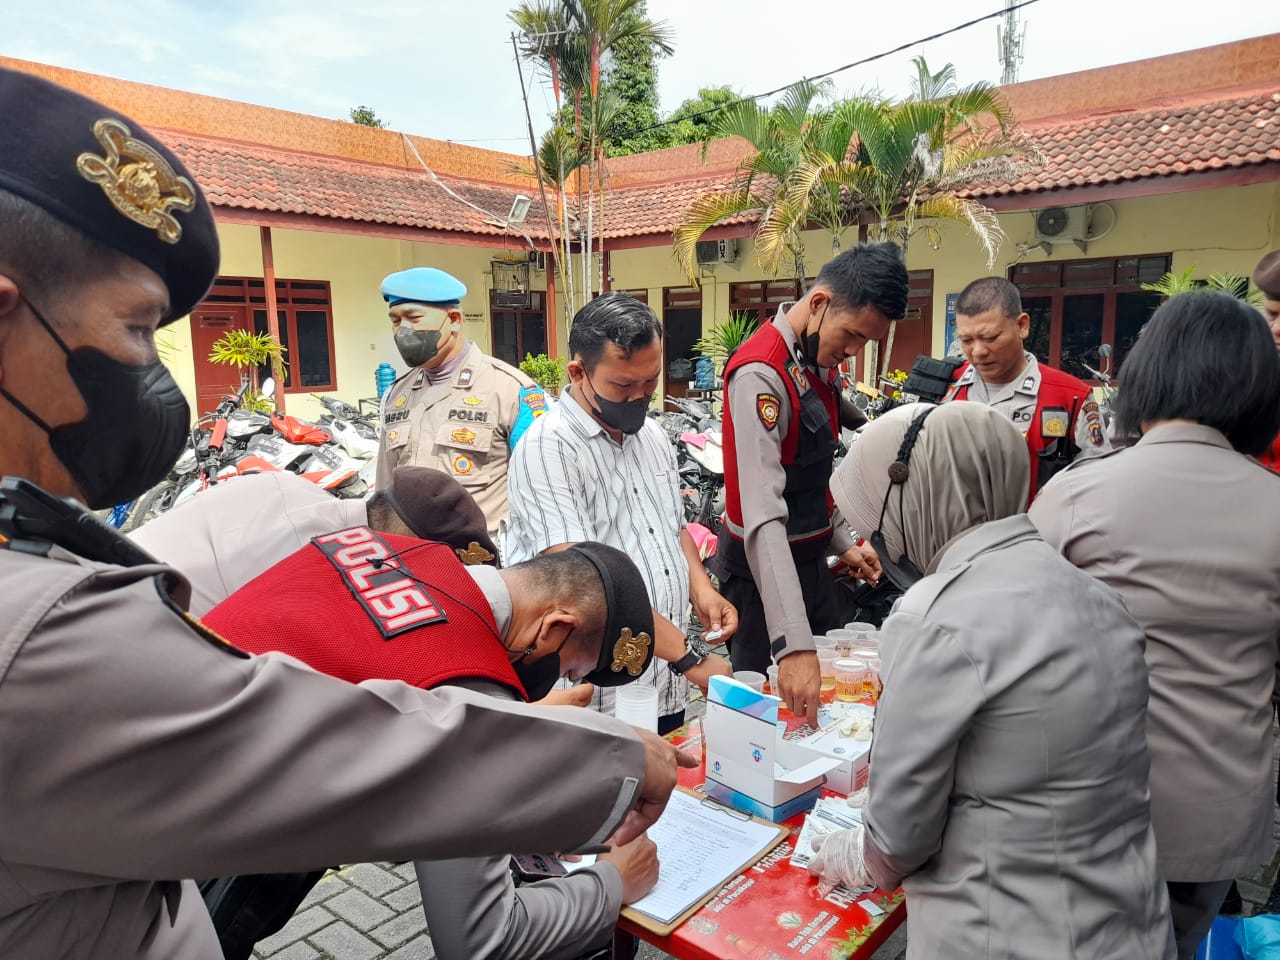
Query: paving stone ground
point(374, 912)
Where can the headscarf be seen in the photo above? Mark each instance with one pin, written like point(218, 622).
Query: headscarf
point(969, 465)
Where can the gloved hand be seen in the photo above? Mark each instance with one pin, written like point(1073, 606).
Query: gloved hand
point(838, 860)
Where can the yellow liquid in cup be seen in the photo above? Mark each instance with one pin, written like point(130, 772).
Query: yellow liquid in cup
point(828, 684)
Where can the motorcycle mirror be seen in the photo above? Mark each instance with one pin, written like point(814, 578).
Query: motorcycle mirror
point(269, 387)
point(1104, 351)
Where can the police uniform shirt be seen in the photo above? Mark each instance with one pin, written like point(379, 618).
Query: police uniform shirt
point(466, 426)
point(758, 433)
point(1018, 401)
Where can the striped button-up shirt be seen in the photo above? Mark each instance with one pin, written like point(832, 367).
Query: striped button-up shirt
point(569, 481)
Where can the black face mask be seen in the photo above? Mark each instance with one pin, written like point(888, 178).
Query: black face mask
point(539, 677)
point(132, 432)
point(418, 346)
point(809, 342)
point(626, 415)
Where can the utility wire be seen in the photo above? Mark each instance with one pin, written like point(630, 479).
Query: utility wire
point(830, 73)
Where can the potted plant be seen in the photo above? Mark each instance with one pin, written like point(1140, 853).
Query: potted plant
point(546, 372)
point(247, 351)
point(723, 338)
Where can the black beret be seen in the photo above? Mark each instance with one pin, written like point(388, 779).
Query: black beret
point(100, 172)
point(1266, 276)
point(627, 645)
point(436, 507)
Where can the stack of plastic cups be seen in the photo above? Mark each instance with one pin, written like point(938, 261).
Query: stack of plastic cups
point(827, 663)
point(773, 680)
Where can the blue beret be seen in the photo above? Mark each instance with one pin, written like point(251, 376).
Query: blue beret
point(102, 174)
point(423, 285)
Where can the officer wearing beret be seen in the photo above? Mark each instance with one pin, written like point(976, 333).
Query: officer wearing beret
point(1055, 411)
point(1266, 277)
point(457, 409)
point(139, 748)
point(582, 613)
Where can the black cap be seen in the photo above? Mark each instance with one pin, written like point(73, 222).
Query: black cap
point(436, 507)
point(100, 172)
point(627, 644)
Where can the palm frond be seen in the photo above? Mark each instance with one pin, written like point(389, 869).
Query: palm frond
point(703, 214)
point(981, 220)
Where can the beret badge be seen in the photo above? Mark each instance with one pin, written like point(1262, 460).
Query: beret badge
point(630, 652)
point(138, 181)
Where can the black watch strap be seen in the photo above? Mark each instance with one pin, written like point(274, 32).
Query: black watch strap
point(692, 657)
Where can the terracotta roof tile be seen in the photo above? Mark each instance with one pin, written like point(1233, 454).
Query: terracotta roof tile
point(1112, 147)
point(252, 177)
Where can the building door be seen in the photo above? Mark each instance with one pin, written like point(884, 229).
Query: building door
point(518, 330)
point(208, 325)
point(682, 327)
point(913, 334)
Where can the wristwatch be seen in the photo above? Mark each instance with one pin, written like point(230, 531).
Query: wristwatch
point(695, 652)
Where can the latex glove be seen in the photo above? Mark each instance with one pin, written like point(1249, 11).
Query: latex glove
point(838, 860)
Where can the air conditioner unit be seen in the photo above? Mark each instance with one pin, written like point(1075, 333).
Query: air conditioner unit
point(1063, 224)
point(711, 252)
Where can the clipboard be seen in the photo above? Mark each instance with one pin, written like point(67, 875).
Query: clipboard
point(665, 929)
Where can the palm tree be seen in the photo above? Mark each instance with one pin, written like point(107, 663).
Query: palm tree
point(572, 39)
point(792, 178)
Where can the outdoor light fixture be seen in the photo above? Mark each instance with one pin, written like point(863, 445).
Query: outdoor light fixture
point(519, 209)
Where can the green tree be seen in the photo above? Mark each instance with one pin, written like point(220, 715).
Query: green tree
point(899, 164)
point(694, 120)
point(575, 40)
point(366, 117)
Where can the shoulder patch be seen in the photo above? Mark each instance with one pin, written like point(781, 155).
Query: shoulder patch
point(1093, 418)
point(767, 407)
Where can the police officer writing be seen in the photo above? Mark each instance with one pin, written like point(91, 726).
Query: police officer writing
point(138, 747)
point(457, 409)
point(781, 426)
point(1053, 409)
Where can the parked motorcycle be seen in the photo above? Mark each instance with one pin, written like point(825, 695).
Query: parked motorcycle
point(698, 440)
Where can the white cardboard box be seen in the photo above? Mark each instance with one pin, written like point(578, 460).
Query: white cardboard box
point(853, 755)
point(749, 765)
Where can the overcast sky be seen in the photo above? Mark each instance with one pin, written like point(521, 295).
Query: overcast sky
point(445, 69)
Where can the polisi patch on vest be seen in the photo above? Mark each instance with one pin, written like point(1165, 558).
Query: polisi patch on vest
point(475, 416)
point(394, 601)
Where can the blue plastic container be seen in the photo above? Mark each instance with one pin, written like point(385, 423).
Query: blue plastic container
point(384, 377)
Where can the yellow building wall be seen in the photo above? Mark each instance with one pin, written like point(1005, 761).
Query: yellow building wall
point(1227, 229)
point(354, 266)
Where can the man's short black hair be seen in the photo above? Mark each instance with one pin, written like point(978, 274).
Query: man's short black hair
point(49, 259)
point(869, 274)
point(989, 293)
point(615, 318)
point(562, 576)
point(1208, 357)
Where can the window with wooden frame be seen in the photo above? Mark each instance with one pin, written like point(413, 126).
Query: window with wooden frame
point(1077, 305)
point(761, 298)
point(518, 331)
point(641, 295)
point(305, 312)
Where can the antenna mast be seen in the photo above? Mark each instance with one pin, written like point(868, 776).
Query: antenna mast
point(1011, 38)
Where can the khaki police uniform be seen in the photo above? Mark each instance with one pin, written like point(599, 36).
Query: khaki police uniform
point(139, 750)
point(465, 427)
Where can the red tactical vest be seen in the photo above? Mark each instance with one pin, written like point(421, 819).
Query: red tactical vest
point(1271, 457)
point(806, 453)
point(360, 605)
point(1048, 454)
